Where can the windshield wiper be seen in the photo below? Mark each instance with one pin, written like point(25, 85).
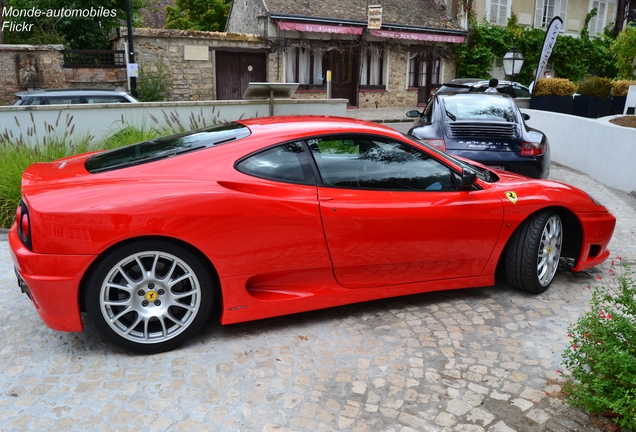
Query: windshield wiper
point(451, 115)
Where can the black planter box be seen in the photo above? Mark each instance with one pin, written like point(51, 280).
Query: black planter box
point(560, 104)
point(591, 106)
point(618, 104)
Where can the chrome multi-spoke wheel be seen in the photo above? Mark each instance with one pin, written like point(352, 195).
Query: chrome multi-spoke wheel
point(549, 250)
point(533, 252)
point(149, 297)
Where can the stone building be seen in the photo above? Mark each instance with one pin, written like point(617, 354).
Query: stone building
point(43, 66)
point(392, 55)
point(196, 62)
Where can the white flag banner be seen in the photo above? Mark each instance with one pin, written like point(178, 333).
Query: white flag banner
point(548, 44)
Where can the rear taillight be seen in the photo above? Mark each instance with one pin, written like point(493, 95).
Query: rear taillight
point(532, 149)
point(24, 224)
point(436, 143)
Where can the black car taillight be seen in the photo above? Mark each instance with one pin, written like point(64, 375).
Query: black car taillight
point(532, 149)
point(23, 222)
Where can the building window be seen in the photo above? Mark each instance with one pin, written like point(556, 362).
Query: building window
point(545, 10)
point(498, 12)
point(597, 23)
point(304, 66)
point(372, 69)
point(420, 68)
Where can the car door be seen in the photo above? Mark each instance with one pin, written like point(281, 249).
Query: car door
point(392, 214)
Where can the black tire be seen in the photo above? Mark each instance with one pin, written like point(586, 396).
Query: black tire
point(151, 311)
point(533, 252)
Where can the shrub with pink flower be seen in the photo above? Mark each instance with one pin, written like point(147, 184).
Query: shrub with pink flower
point(601, 358)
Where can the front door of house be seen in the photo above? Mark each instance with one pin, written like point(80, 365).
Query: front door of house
point(423, 74)
point(344, 75)
point(235, 70)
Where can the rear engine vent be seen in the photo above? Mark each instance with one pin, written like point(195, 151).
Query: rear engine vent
point(483, 131)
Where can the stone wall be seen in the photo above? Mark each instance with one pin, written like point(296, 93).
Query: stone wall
point(48, 71)
point(190, 79)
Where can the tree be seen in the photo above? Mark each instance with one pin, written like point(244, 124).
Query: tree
point(624, 48)
point(78, 24)
point(203, 15)
point(572, 58)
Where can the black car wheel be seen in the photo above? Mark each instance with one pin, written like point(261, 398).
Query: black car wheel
point(149, 296)
point(533, 252)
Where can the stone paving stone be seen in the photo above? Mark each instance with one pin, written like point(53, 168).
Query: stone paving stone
point(466, 360)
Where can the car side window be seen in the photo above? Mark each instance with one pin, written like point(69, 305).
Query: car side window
point(376, 163)
point(287, 163)
point(521, 92)
point(32, 101)
point(58, 100)
point(105, 99)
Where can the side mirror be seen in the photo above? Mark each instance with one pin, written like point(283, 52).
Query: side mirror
point(414, 114)
point(469, 177)
point(525, 116)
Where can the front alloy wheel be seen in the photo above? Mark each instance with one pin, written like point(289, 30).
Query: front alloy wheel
point(533, 252)
point(149, 296)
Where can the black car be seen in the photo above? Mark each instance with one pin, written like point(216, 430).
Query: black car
point(466, 85)
point(485, 127)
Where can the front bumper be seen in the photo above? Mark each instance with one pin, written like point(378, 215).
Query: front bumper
point(597, 233)
point(52, 282)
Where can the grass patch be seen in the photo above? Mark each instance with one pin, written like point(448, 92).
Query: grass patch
point(17, 154)
point(56, 141)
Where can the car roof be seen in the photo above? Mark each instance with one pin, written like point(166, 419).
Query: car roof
point(296, 126)
point(71, 92)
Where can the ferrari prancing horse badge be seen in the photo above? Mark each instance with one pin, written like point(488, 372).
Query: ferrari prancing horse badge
point(512, 197)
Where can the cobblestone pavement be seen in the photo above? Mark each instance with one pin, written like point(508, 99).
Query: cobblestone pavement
point(467, 360)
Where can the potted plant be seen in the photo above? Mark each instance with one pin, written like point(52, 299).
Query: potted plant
point(619, 95)
point(553, 94)
point(593, 100)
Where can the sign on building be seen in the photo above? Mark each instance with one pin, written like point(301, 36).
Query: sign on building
point(375, 16)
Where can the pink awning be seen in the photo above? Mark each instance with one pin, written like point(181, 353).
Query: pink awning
point(431, 37)
point(319, 28)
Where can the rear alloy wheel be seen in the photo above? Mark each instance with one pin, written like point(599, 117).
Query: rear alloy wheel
point(532, 255)
point(149, 296)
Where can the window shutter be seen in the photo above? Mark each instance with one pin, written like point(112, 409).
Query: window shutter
point(538, 14)
point(563, 9)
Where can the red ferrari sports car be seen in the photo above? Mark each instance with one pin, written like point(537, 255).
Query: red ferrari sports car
point(279, 215)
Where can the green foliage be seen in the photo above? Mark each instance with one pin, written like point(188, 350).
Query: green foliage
point(17, 153)
point(572, 58)
point(595, 86)
point(90, 32)
point(554, 87)
point(624, 48)
point(203, 15)
point(484, 42)
point(59, 140)
point(153, 85)
point(602, 353)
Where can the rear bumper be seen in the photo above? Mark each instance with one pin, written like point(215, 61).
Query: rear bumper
point(52, 282)
point(530, 166)
point(597, 233)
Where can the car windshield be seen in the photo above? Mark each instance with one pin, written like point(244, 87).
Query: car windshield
point(480, 107)
point(162, 148)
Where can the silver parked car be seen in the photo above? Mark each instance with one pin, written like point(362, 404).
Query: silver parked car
point(72, 96)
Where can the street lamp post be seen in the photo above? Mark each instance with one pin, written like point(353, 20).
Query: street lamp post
point(513, 61)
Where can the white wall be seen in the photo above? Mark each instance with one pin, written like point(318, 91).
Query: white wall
point(602, 150)
point(32, 123)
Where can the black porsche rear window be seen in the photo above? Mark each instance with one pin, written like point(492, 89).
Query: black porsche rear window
point(162, 148)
